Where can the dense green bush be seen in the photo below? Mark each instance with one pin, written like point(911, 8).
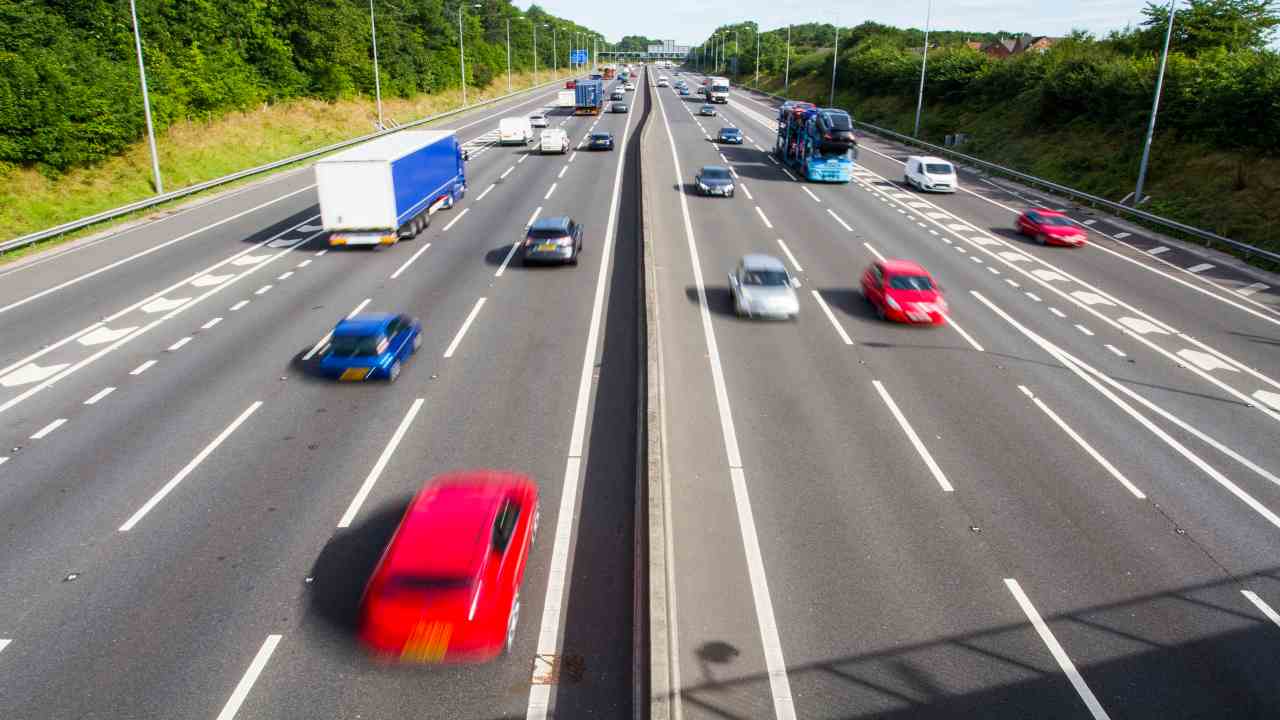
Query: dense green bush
point(69, 92)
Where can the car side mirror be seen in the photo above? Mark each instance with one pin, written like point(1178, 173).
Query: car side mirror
point(795, 283)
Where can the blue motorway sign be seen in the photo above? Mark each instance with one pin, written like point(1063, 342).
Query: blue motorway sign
point(577, 56)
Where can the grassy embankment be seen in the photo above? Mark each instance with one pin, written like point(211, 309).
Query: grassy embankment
point(192, 152)
point(1230, 193)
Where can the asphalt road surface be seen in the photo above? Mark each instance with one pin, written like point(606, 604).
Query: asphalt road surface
point(1063, 504)
point(188, 518)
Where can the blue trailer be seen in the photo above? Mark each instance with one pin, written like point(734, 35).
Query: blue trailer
point(589, 97)
point(385, 190)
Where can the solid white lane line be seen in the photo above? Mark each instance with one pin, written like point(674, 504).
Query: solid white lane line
point(830, 316)
point(99, 395)
point(790, 257)
point(209, 325)
point(843, 224)
point(262, 290)
point(506, 172)
point(967, 338)
point(1106, 464)
point(454, 221)
point(1115, 350)
point(874, 251)
point(566, 167)
point(142, 368)
point(763, 218)
point(239, 305)
point(548, 195)
point(915, 439)
point(1199, 268)
point(1250, 595)
point(367, 486)
point(187, 470)
point(1055, 649)
point(285, 275)
point(486, 191)
point(775, 663)
point(43, 432)
point(414, 256)
point(241, 692)
point(810, 193)
point(448, 353)
point(1095, 378)
point(1084, 330)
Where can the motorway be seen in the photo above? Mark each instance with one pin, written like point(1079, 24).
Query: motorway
point(188, 518)
point(1064, 503)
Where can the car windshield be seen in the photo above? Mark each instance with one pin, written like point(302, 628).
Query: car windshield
point(355, 346)
point(1057, 220)
point(599, 136)
point(910, 282)
point(714, 173)
point(768, 278)
point(938, 169)
point(720, 88)
point(839, 121)
point(729, 131)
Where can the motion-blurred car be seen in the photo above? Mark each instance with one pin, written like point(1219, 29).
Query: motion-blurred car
point(903, 291)
point(552, 240)
point(684, 91)
point(371, 346)
point(708, 110)
point(1049, 227)
point(762, 287)
point(538, 120)
point(714, 180)
point(600, 141)
point(447, 588)
point(730, 136)
point(618, 107)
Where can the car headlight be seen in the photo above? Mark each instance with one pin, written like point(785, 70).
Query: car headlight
point(728, 188)
point(888, 300)
point(703, 186)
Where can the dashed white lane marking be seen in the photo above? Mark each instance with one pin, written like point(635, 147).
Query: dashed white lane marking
point(915, 439)
point(104, 335)
point(457, 339)
point(1199, 268)
point(837, 218)
point(142, 368)
point(1055, 649)
point(506, 172)
point(790, 257)
point(1089, 222)
point(1248, 290)
point(874, 251)
point(548, 195)
point(1158, 250)
point(178, 345)
point(960, 249)
point(573, 156)
point(976, 259)
point(1204, 360)
point(4, 642)
point(239, 305)
point(304, 263)
point(31, 373)
point(1121, 235)
point(1012, 282)
point(1089, 298)
point(1057, 312)
point(241, 692)
point(455, 220)
point(743, 188)
point(209, 325)
point(1142, 326)
point(486, 191)
point(321, 253)
point(367, 486)
point(967, 338)
point(210, 280)
point(1267, 397)
point(189, 467)
point(1084, 330)
point(99, 395)
point(1033, 296)
point(562, 171)
point(788, 172)
point(285, 275)
point(249, 260)
point(763, 218)
point(43, 432)
point(522, 158)
point(1115, 350)
point(165, 304)
point(844, 336)
point(933, 232)
point(1250, 595)
point(810, 193)
point(421, 250)
point(262, 290)
point(1106, 464)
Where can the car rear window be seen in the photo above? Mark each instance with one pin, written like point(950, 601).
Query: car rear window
point(546, 234)
point(714, 173)
point(839, 121)
point(767, 278)
point(910, 282)
point(938, 169)
point(355, 346)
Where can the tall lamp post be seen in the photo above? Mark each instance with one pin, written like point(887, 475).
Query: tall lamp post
point(462, 56)
point(786, 74)
point(1155, 108)
point(835, 54)
point(757, 56)
point(924, 63)
point(146, 101)
point(377, 79)
point(508, 55)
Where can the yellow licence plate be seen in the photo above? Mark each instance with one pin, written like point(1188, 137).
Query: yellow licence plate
point(355, 373)
point(427, 643)
point(547, 247)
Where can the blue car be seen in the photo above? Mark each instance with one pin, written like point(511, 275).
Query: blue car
point(684, 91)
point(730, 136)
point(373, 346)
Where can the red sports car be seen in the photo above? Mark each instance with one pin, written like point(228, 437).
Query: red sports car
point(447, 588)
point(1050, 227)
point(902, 291)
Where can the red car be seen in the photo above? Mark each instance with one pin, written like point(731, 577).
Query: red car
point(570, 84)
point(902, 291)
point(447, 588)
point(1049, 227)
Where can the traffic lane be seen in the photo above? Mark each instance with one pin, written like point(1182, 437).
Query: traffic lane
point(706, 558)
point(928, 369)
point(360, 460)
point(204, 235)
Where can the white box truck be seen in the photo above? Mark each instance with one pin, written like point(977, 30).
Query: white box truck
point(386, 189)
point(566, 99)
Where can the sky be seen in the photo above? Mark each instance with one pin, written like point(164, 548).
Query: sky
point(688, 22)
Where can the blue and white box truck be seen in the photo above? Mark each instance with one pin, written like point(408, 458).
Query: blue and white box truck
point(385, 190)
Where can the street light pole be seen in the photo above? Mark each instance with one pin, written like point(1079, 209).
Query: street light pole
point(786, 75)
point(1155, 107)
point(535, 52)
point(462, 57)
point(508, 55)
point(924, 63)
point(146, 101)
point(377, 81)
point(757, 56)
point(555, 61)
point(835, 54)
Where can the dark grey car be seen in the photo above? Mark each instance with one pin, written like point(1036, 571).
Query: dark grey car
point(553, 240)
point(714, 180)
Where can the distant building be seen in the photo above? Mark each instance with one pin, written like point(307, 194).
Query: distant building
point(1005, 47)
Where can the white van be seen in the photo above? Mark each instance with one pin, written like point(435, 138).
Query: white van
point(515, 131)
point(553, 140)
point(663, 81)
point(926, 172)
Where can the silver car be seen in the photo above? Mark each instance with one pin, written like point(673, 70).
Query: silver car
point(762, 287)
